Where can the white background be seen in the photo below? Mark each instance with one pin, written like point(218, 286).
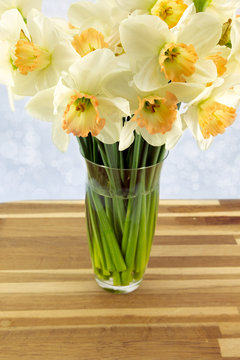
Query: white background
point(32, 168)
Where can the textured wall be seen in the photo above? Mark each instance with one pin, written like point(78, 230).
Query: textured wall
point(32, 168)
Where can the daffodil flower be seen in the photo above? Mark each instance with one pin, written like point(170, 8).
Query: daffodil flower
point(78, 104)
point(98, 26)
point(157, 121)
point(38, 56)
point(23, 6)
point(170, 11)
point(155, 117)
point(213, 111)
point(159, 56)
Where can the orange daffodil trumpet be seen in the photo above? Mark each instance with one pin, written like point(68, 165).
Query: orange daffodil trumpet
point(80, 105)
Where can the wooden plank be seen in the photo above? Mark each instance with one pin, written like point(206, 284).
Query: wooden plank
point(230, 347)
point(188, 305)
point(108, 344)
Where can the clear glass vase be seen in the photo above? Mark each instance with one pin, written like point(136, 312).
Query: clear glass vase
point(121, 213)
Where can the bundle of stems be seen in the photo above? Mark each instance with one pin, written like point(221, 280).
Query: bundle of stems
point(121, 206)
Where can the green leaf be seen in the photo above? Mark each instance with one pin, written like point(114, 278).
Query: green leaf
point(201, 5)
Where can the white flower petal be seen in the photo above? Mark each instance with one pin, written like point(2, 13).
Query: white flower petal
point(154, 140)
point(127, 135)
point(11, 25)
point(173, 136)
point(135, 4)
point(110, 134)
point(119, 84)
point(41, 105)
point(142, 37)
point(184, 92)
point(43, 31)
point(27, 5)
point(113, 108)
point(62, 95)
point(64, 56)
point(150, 76)
point(191, 119)
point(88, 72)
point(229, 98)
point(25, 85)
point(205, 72)
point(6, 70)
point(59, 137)
point(84, 15)
point(203, 31)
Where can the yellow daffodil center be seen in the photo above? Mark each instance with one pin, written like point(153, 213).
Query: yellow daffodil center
point(178, 61)
point(30, 57)
point(220, 63)
point(214, 118)
point(169, 11)
point(88, 41)
point(82, 116)
point(157, 114)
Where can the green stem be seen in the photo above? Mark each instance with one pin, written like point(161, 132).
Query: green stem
point(109, 235)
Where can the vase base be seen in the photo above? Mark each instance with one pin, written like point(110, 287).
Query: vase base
point(108, 286)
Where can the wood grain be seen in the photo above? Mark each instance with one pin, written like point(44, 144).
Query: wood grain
point(188, 306)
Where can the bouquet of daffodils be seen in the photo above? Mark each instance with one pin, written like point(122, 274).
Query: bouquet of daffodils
point(127, 78)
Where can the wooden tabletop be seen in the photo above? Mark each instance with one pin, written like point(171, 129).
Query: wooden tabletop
point(188, 306)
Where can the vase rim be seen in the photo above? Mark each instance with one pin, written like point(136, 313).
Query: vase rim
point(128, 169)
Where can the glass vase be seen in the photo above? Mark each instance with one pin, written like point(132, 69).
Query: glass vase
point(121, 214)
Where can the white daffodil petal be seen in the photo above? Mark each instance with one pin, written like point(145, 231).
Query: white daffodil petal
point(173, 136)
point(42, 29)
point(229, 98)
point(203, 31)
point(25, 85)
point(27, 5)
point(62, 95)
point(59, 137)
point(127, 135)
point(41, 105)
point(110, 134)
point(142, 37)
point(154, 140)
point(184, 92)
point(6, 70)
point(185, 17)
point(88, 72)
point(135, 4)
point(118, 84)
point(205, 72)
point(83, 14)
point(24, 6)
point(64, 56)
point(113, 108)
point(227, 83)
point(150, 77)
point(191, 119)
point(11, 26)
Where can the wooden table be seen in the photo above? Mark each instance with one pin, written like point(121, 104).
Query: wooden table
point(187, 308)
